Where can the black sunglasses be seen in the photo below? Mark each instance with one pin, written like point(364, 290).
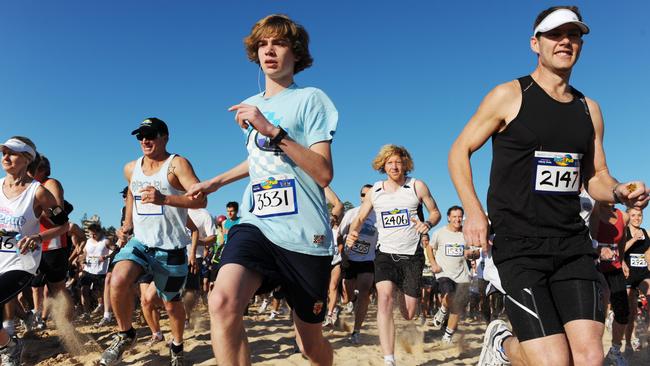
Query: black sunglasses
point(363, 194)
point(146, 135)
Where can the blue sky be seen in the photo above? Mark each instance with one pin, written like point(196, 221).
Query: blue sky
point(78, 76)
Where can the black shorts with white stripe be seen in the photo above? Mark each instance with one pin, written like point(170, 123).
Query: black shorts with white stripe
point(546, 291)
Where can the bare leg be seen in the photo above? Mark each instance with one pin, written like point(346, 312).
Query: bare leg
point(385, 321)
point(234, 286)
point(124, 275)
point(311, 342)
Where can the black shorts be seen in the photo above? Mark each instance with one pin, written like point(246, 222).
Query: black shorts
point(304, 278)
point(213, 274)
point(353, 269)
point(446, 285)
point(403, 270)
point(145, 278)
point(636, 278)
point(94, 281)
point(53, 267)
point(429, 282)
point(13, 282)
point(546, 291)
point(193, 281)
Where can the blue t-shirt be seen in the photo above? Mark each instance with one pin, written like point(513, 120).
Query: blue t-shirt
point(281, 199)
point(227, 225)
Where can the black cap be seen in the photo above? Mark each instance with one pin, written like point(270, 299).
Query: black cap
point(152, 124)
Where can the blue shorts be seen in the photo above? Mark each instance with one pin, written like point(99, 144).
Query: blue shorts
point(168, 267)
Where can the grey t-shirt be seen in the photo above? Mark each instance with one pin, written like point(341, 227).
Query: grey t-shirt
point(449, 250)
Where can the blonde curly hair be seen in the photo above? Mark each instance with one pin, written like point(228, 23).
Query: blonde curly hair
point(389, 150)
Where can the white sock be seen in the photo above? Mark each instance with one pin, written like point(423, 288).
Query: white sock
point(8, 325)
point(107, 315)
point(389, 358)
point(443, 309)
point(158, 334)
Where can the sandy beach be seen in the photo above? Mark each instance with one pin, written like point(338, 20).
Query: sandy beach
point(271, 343)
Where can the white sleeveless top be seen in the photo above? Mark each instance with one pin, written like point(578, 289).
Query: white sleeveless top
point(394, 211)
point(156, 226)
point(95, 249)
point(17, 216)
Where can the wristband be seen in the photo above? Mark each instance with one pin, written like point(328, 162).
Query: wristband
point(279, 137)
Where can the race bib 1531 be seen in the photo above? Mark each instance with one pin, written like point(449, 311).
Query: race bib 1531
point(454, 250)
point(557, 173)
point(274, 197)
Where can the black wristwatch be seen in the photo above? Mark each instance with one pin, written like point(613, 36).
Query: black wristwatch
point(279, 137)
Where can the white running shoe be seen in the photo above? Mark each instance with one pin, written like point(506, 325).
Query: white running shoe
point(609, 320)
point(439, 318)
point(615, 357)
point(496, 332)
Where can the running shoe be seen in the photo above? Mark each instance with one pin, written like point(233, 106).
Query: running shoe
point(491, 354)
point(355, 337)
point(349, 307)
point(11, 353)
point(329, 321)
point(105, 321)
point(446, 340)
point(439, 318)
point(274, 314)
point(176, 359)
point(615, 357)
point(155, 338)
point(39, 322)
point(84, 317)
point(113, 354)
point(390, 363)
point(29, 322)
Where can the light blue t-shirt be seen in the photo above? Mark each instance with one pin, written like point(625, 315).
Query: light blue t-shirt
point(281, 199)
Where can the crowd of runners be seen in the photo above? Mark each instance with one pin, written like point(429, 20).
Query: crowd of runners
point(551, 255)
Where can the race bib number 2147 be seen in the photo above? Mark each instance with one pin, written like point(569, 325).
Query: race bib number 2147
point(557, 173)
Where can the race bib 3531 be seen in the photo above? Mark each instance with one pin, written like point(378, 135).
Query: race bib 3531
point(274, 197)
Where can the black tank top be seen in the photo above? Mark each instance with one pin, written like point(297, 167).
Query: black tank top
point(535, 175)
point(639, 268)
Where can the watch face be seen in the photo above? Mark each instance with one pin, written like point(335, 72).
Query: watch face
point(56, 210)
point(263, 143)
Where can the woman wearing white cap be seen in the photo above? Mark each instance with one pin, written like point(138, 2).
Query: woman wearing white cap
point(23, 202)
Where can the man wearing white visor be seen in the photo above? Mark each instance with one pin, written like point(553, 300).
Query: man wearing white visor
point(547, 140)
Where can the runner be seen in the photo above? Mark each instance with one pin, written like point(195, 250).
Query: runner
point(96, 250)
point(450, 266)
point(542, 247)
point(156, 213)
point(609, 231)
point(359, 273)
point(637, 257)
point(400, 260)
point(283, 237)
point(429, 282)
point(54, 263)
point(22, 203)
point(207, 237)
point(333, 309)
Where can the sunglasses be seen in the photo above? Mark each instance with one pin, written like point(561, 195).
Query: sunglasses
point(363, 194)
point(146, 135)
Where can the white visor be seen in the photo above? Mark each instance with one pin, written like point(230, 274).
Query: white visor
point(558, 18)
point(19, 146)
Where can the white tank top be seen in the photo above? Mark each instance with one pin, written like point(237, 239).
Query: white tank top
point(156, 226)
point(394, 211)
point(94, 250)
point(17, 216)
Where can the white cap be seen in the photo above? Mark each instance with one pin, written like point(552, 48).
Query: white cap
point(558, 18)
point(19, 146)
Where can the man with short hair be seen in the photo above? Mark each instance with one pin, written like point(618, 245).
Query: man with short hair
point(156, 214)
point(232, 213)
point(450, 265)
point(542, 247)
point(284, 237)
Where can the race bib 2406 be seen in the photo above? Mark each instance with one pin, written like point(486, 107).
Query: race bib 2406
point(395, 218)
point(274, 197)
point(557, 173)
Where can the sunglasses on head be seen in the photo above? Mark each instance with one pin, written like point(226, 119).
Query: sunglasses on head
point(147, 135)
